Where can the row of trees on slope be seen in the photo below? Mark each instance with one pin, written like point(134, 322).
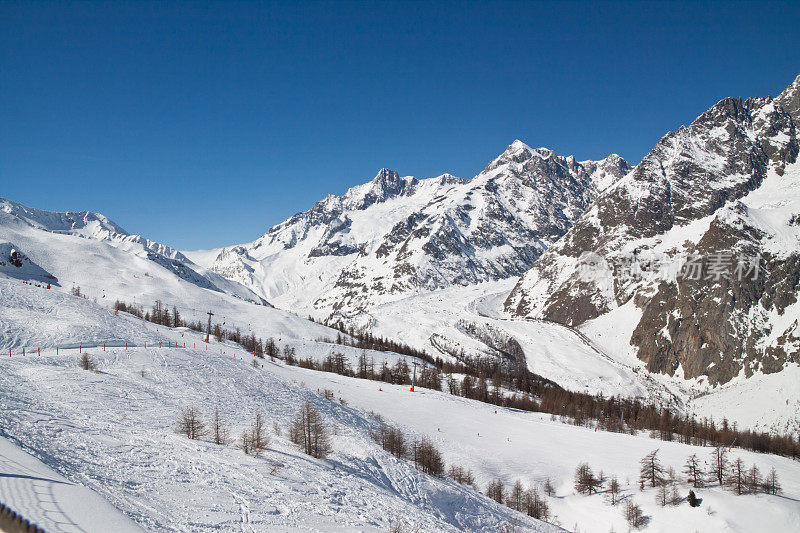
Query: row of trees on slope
point(499, 383)
point(307, 429)
point(484, 379)
point(734, 475)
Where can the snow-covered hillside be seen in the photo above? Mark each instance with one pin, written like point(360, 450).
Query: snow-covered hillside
point(106, 264)
point(396, 236)
point(439, 322)
point(112, 431)
point(595, 359)
point(89, 249)
point(116, 437)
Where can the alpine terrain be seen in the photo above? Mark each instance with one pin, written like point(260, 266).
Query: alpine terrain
point(691, 262)
point(551, 345)
point(396, 236)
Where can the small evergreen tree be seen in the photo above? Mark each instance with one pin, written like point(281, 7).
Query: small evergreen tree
point(719, 464)
point(310, 432)
point(634, 515)
point(614, 490)
point(651, 471)
point(85, 362)
point(585, 480)
point(737, 477)
point(548, 487)
point(771, 484)
point(694, 471)
point(753, 479)
point(219, 430)
point(662, 494)
point(534, 505)
point(259, 439)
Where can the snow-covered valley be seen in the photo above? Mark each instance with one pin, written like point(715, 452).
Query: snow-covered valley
point(113, 432)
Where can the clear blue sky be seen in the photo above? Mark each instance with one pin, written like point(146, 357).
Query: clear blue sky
point(201, 125)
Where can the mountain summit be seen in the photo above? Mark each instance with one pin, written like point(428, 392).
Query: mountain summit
point(397, 235)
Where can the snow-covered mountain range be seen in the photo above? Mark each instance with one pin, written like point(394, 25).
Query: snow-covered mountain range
point(68, 247)
point(396, 236)
point(724, 187)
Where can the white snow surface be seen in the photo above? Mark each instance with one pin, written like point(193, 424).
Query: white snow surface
point(89, 250)
point(112, 432)
point(105, 271)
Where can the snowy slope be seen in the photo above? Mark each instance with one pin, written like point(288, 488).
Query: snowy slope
point(109, 266)
point(112, 432)
point(58, 320)
point(435, 322)
point(116, 438)
point(605, 364)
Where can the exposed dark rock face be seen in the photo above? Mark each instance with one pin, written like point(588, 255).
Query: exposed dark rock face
point(689, 196)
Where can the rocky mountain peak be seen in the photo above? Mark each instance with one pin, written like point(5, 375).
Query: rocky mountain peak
point(86, 223)
point(517, 152)
point(789, 99)
point(691, 195)
point(388, 184)
point(607, 171)
point(449, 179)
point(386, 177)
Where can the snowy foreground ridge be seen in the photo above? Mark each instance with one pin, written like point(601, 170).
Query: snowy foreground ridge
point(51, 501)
point(111, 431)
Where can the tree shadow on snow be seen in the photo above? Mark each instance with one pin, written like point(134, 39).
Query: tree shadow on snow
point(34, 478)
